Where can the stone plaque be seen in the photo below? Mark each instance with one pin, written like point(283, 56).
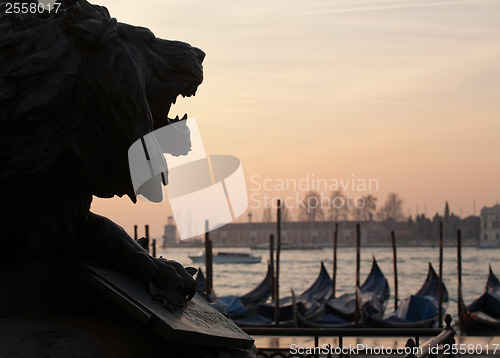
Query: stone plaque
point(196, 323)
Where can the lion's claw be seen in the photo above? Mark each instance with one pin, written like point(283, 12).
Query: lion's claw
point(172, 285)
point(170, 299)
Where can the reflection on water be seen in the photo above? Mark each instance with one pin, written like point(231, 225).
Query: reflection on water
point(299, 268)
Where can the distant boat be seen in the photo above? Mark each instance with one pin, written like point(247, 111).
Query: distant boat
point(228, 258)
point(483, 315)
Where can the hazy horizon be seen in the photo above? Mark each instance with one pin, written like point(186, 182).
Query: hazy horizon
point(403, 92)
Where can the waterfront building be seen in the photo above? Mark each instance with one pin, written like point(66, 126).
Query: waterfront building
point(490, 226)
point(299, 234)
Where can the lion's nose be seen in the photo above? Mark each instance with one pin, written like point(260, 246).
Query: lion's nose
point(199, 53)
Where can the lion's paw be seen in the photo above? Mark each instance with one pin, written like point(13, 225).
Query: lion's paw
point(172, 284)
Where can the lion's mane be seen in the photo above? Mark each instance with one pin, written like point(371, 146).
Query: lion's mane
point(75, 92)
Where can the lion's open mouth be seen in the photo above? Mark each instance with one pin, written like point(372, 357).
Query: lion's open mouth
point(190, 91)
point(185, 81)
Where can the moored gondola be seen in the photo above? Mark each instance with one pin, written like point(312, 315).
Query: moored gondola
point(309, 303)
point(340, 312)
point(419, 310)
point(201, 282)
point(238, 306)
point(482, 316)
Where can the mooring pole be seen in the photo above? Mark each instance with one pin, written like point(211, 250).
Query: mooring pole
point(358, 266)
point(271, 263)
point(135, 233)
point(277, 279)
point(153, 247)
point(395, 263)
point(459, 270)
point(334, 277)
point(208, 264)
point(440, 287)
point(146, 229)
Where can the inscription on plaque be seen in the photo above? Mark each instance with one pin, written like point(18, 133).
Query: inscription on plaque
point(204, 318)
point(197, 322)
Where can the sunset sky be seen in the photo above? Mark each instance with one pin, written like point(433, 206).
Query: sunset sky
point(403, 92)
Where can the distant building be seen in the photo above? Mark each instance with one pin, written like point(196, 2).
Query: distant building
point(490, 225)
point(299, 234)
point(422, 231)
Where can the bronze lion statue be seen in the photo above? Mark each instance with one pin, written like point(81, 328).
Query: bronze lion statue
point(77, 88)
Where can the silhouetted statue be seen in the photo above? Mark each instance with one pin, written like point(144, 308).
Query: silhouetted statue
point(77, 88)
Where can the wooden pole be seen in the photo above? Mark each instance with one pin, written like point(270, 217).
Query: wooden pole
point(208, 264)
point(153, 246)
point(459, 270)
point(146, 229)
point(271, 263)
point(358, 266)
point(358, 253)
point(277, 279)
point(395, 259)
point(440, 287)
point(334, 277)
point(135, 233)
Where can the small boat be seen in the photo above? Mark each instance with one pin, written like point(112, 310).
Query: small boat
point(308, 302)
point(419, 310)
point(482, 316)
point(228, 258)
point(238, 306)
point(489, 245)
point(339, 312)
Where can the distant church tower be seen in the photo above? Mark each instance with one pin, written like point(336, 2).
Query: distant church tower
point(170, 237)
point(446, 223)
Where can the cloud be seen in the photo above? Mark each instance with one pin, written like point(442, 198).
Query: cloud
point(387, 7)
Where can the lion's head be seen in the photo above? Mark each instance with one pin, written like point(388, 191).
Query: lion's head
point(77, 88)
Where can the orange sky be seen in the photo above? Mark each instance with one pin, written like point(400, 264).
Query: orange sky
point(406, 92)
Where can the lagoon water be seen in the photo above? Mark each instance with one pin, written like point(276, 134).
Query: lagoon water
point(299, 268)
